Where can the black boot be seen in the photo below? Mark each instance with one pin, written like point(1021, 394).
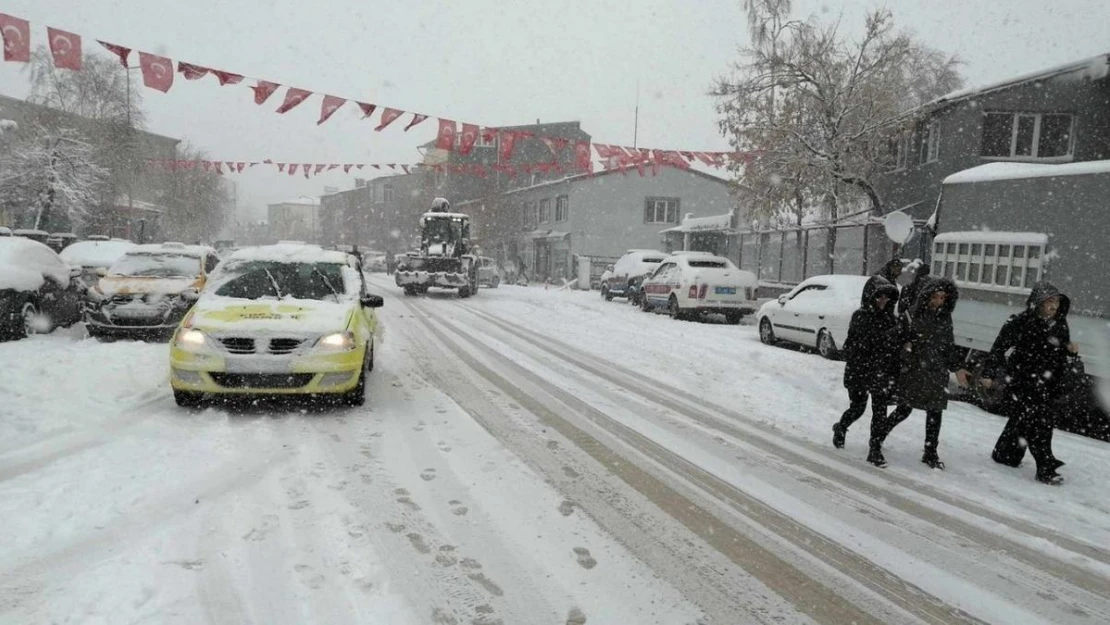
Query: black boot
point(1050, 477)
point(839, 432)
point(932, 460)
point(875, 457)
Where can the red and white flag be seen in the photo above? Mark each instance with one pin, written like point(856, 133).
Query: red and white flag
point(320, 168)
point(293, 169)
point(239, 167)
point(388, 117)
point(226, 78)
point(206, 165)
point(416, 119)
point(445, 140)
point(293, 97)
point(468, 139)
point(306, 168)
point(66, 48)
point(263, 90)
point(508, 140)
point(231, 166)
point(406, 168)
point(157, 71)
point(688, 156)
point(119, 51)
point(219, 167)
point(582, 160)
point(328, 108)
point(190, 71)
point(555, 144)
point(367, 109)
point(281, 167)
point(347, 168)
point(17, 38)
point(375, 166)
point(333, 166)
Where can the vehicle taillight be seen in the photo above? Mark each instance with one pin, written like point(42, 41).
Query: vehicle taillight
point(701, 292)
point(693, 291)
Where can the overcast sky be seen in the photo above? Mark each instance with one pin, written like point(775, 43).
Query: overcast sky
point(494, 62)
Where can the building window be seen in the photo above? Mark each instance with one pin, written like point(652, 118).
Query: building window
point(1027, 135)
point(661, 210)
point(899, 151)
point(545, 210)
point(530, 214)
point(1013, 265)
point(930, 143)
point(562, 208)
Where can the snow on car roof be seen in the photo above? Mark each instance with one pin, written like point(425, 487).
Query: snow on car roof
point(25, 262)
point(851, 287)
point(95, 253)
point(184, 250)
point(295, 252)
point(1017, 171)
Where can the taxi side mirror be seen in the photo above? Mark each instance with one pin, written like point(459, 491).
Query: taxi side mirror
point(372, 301)
point(101, 271)
point(782, 300)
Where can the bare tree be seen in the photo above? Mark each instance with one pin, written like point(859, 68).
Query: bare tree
point(819, 108)
point(197, 202)
point(100, 91)
point(51, 177)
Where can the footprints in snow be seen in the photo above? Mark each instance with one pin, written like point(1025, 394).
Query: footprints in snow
point(309, 577)
point(457, 508)
point(418, 543)
point(443, 446)
point(567, 507)
point(428, 475)
point(405, 500)
point(585, 560)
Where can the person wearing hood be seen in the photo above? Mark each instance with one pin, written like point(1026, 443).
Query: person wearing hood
point(1031, 356)
point(870, 351)
point(909, 293)
point(890, 272)
point(927, 356)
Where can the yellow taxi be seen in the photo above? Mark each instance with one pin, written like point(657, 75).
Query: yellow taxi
point(287, 319)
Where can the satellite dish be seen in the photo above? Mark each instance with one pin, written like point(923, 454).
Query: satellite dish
point(899, 227)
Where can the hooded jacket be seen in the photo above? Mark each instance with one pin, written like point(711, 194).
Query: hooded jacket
point(909, 293)
point(886, 273)
point(932, 353)
point(1031, 353)
point(873, 340)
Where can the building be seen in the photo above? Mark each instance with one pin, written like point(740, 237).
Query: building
point(1058, 115)
point(133, 198)
point(297, 219)
point(379, 214)
point(545, 226)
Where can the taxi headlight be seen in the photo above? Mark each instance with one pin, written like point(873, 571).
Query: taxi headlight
point(191, 340)
point(337, 342)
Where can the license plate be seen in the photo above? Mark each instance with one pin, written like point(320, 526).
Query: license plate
point(725, 290)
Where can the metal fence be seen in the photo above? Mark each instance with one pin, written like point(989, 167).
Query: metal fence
point(786, 257)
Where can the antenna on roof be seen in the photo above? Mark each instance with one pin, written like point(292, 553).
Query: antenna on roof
point(636, 120)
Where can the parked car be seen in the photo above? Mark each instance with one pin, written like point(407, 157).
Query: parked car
point(145, 294)
point(688, 286)
point(628, 273)
point(38, 290)
point(816, 313)
point(95, 257)
point(278, 320)
point(35, 235)
point(97, 237)
point(489, 274)
point(5, 231)
point(59, 241)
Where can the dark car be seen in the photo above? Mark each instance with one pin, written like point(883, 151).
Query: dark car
point(38, 291)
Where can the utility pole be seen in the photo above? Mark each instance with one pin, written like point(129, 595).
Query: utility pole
point(636, 121)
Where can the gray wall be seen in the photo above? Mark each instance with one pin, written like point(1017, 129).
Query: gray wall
point(961, 127)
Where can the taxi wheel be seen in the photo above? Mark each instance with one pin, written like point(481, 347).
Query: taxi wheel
point(357, 396)
point(187, 399)
point(370, 358)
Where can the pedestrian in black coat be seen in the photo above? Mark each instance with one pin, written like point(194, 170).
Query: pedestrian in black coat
point(870, 350)
point(1032, 356)
point(910, 291)
point(889, 272)
point(927, 356)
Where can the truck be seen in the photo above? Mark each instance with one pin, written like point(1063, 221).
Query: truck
point(1002, 227)
point(445, 258)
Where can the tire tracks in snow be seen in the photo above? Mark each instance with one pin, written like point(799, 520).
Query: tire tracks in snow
point(744, 428)
point(815, 597)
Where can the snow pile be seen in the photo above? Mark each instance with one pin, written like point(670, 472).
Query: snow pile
point(1015, 171)
point(95, 254)
point(25, 264)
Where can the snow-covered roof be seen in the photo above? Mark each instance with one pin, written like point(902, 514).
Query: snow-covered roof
point(95, 253)
point(1014, 171)
point(304, 200)
point(171, 248)
point(989, 236)
point(713, 223)
point(1095, 67)
point(289, 253)
point(24, 232)
point(24, 264)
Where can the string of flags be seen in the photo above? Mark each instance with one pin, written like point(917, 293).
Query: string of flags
point(158, 73)
point(315, 169)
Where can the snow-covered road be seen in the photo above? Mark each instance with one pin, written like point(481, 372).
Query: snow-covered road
point(525, 456)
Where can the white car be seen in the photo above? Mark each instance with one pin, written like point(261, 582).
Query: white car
point(690, 285)
point(816, 313)
point(628, 272)
point(95, 257)
point(489, 275)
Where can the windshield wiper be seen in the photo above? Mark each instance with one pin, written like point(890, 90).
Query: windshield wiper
point(273, 281)
point(327, 282)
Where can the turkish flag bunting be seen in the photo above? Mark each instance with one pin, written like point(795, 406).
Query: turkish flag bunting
point(602, 150)
point(481, 171)
point(374, 166)
point(526, 168)
point(388, 117)
point(319, 168)
point(206, 165)
point(392, 166)
point(293, 169)
point(689, 156)
point(293, 97)
point(367, 109)
point(157, 71)
point(263, 90)
point(190, 71)
point(469, 138)
point(306, 168)
point(582, 160)
point(66, 48)
point(119, 51)
point(331, 167)
point(416, 119)
point(188, 165)
point(226, 78)
point(347, 169)
point(219, 168)
point(281, 167)
point(330, 105)
point(406, 168)
point(508, 139)
point(550, 143)
point(231, 166)
point(17, 38)
point(360, 166)
point(239, 167)
point(489, 134)
point(445, 140)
